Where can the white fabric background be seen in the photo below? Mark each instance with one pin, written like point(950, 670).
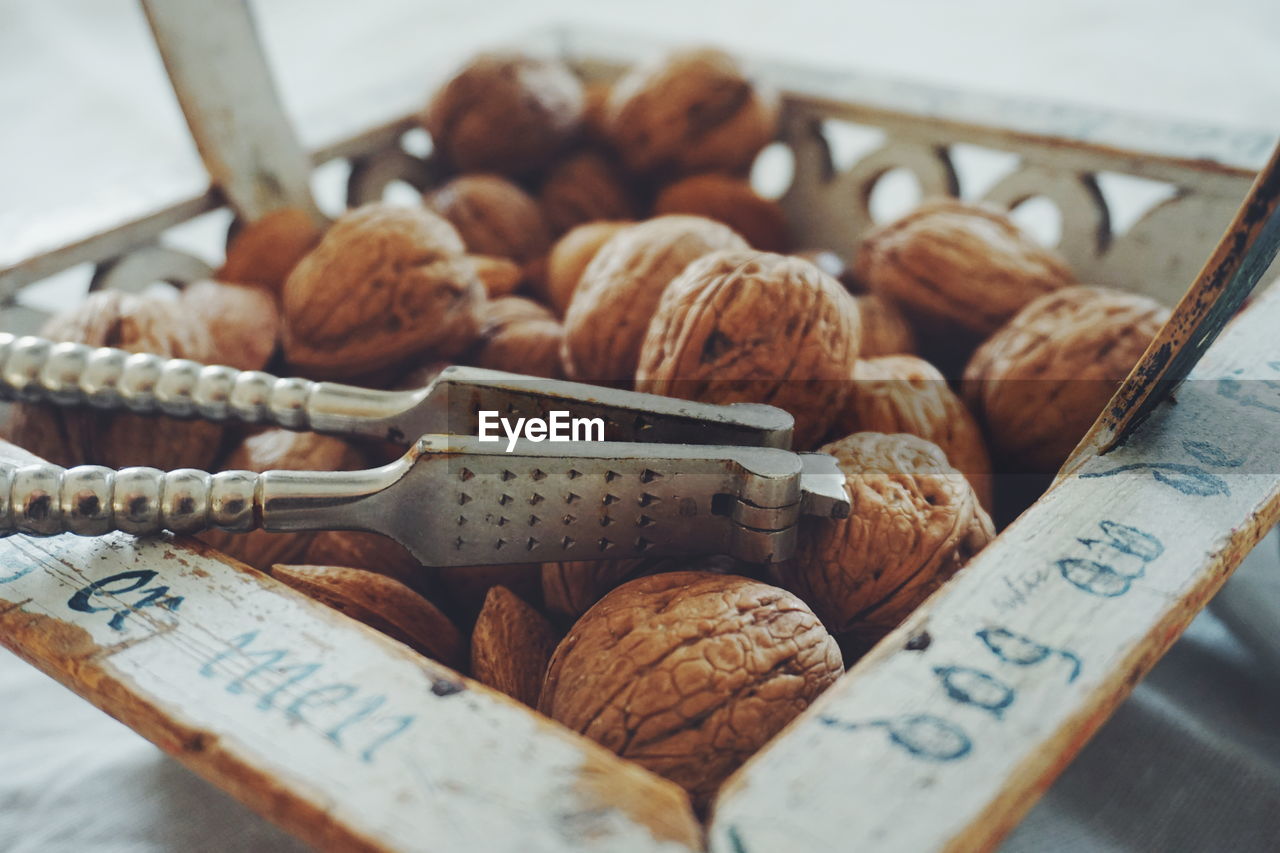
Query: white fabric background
point(1191, 762)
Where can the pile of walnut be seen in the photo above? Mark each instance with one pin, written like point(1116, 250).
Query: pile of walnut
point(610, 233)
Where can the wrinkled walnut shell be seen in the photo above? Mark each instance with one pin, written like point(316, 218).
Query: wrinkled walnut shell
point(732, 201)
point(279, 449)
point(884, 330)
point(1039, 383)
point(959, 271)
point(569, 259)
point(264, 252)
point(570, 587)
point(754, 327)
point(385, 605)
point(690, 111)
point(519, 336)
point(688, 673)
point(150, 323)
point(243, 321)
point(493, 216)
point(902, 393)
point(505, 113)
point(511, 646)
point(915, 522)
point(585, 187)
point(621, 287)
point(386, 283)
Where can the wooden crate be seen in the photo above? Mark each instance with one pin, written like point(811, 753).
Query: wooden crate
point(942, 737)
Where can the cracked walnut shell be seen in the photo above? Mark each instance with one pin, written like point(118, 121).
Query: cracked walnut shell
point(902, 393)
point(743, 326)
point(958, 271)
point(688, 673)
point(915, 521)
point(1038, 384)
point(493, 216)
point(386, 283)
point(690, 111)
point(505, 113)
point(619, 290)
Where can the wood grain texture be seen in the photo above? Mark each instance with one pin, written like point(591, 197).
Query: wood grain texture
point(944, 735)
point(341, 736)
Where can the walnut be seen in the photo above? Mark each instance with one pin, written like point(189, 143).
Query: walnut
point(595, 102)
point(243, 320)
point(619, 290)
point(151, 323)
point(511, 646)
point(743, 326)
point(915, 521)
point(688, 673)
point(902, 393)
point(884, 330)
point(732, 201)
point(519, 336)
point(570, 587)
point(1039, 383)
point(493, 216)
point(467, 586)
point(279, 449)
point(505, 113)
point(958, 271)
point(569, 258)
point(383, 604)
point(264, 252)
point(690, 111)
point(386, 283)
point(372, 552)
point(585, 187)
point(500, 276)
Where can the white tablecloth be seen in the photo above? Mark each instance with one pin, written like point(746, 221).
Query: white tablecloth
point(1191, 762)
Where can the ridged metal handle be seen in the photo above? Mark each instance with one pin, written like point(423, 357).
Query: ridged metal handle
point(68, 374)
point(89, 500)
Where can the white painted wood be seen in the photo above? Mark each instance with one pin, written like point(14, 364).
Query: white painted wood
point(346, 738)
point(949, 730)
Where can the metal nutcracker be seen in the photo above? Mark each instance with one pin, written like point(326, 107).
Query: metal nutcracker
point(675, 478)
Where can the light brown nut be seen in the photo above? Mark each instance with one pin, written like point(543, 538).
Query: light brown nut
point(505, 113)
point(150, 323)
point(902, 393)
point(915, 521)
point(519, 336)
point(385, 284)
point(569, 258)
point(569, 588)
point(372, 552)
point(511, 646)
point(493, 216)
point(595, 101)
point(467, 586)
point(279, 449)
point(621, 287)
point(959, 271)
point(754, 327)
point(264, 252)
point(689, 673)
point(383, 604)
point(500, 276)
point(732, 201)
point(690, 111)
point(243, 321)
point(585, 187)
point(885, 331)
point(1038, 383)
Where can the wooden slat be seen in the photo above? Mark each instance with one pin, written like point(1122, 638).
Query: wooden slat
point(343, 737)
point(945, 734)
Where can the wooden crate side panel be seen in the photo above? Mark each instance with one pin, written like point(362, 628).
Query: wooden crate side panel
point(338, 734)
point(950, 729)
